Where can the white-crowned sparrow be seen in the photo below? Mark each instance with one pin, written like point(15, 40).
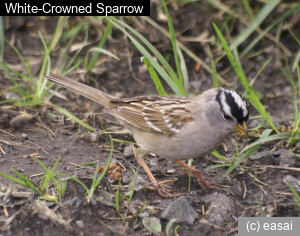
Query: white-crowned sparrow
point(176, 128)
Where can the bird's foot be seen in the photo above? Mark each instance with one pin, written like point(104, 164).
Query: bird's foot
point(163, 192)
point(204, 184)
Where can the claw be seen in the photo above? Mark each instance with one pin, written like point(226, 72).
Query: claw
point(163, 192)
point(197, 174)
point(202, 181)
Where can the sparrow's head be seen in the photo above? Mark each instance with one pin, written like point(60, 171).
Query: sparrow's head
point(234, 109)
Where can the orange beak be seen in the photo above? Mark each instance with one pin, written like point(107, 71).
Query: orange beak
point(241, 128)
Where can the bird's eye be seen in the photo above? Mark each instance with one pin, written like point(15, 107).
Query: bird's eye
point(226, 117)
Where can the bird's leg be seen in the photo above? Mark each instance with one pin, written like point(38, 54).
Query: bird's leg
point(139, 154)
point(198, 175)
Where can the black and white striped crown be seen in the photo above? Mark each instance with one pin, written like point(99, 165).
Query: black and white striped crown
point(233, 105)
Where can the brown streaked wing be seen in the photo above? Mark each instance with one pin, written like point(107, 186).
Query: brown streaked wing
point(159, 114)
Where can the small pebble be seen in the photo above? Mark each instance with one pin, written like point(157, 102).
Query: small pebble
point(80, 224)
point(144, 214)
point(153, 161)
point(24, 136)
point(94, 137)
point(139, 183)
point(125, 179)
point(65, 151)
point(180, 209)
point(128, 152)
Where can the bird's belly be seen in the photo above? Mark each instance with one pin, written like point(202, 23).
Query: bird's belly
point(176, 148)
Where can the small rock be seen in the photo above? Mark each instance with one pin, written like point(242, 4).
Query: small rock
point(139, 183)
point(125, 179)
point(94, 137)
point(292, 181)
point(136, 226)
point(153, 161)
point(131, 208)
point(264, 157)
point(220, 208)
point(128, 152)
point(24, 136)
point(287, 158)
point(105, 198)
point(65, 151)
point(237, 188)
point(80, 224)
point(170, 168)
point(10, 95)
point(181, 210)
point(69, 168)
point(144, 214)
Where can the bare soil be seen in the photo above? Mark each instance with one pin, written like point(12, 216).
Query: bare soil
point(48, 135)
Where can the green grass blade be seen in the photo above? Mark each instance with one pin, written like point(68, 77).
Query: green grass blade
point(1, 38)
point(248, 9)
point(108, 160)
point(154, 77)
point(71, 34)
point(218, 166)
point(269, 27)
point(61, 110)
point(57, 33)
point(252, 96)
point(296, 60)
point(101, 50)
point(76, 180)
point(19, 74)
point(185, 49)
point(163, 61)
point(73, 117)
point(214, 70)
point(27, 182)
point(17, 181)
point(49, 173)
point(267, 139)
point(96, 181)
point(263, 137)
point(173, 40)
point(12, 79)
point(288, 74)
point(184, 70)
point(262, 15)
point(105, 35)
point(295, 193)
point(171, 78)
point(296, 120)
point(47, 177)
point(42, 81)
point(218, 155)
point(261, 209)
point(19, 56)
point(261, 70)
point(258, 73)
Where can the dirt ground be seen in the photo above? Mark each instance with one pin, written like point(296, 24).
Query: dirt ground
point(49, 135)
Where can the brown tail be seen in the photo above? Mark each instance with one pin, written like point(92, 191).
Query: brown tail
point(84, 90)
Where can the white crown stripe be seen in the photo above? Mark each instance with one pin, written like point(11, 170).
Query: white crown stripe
point(226, 108)
point(240, 102)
